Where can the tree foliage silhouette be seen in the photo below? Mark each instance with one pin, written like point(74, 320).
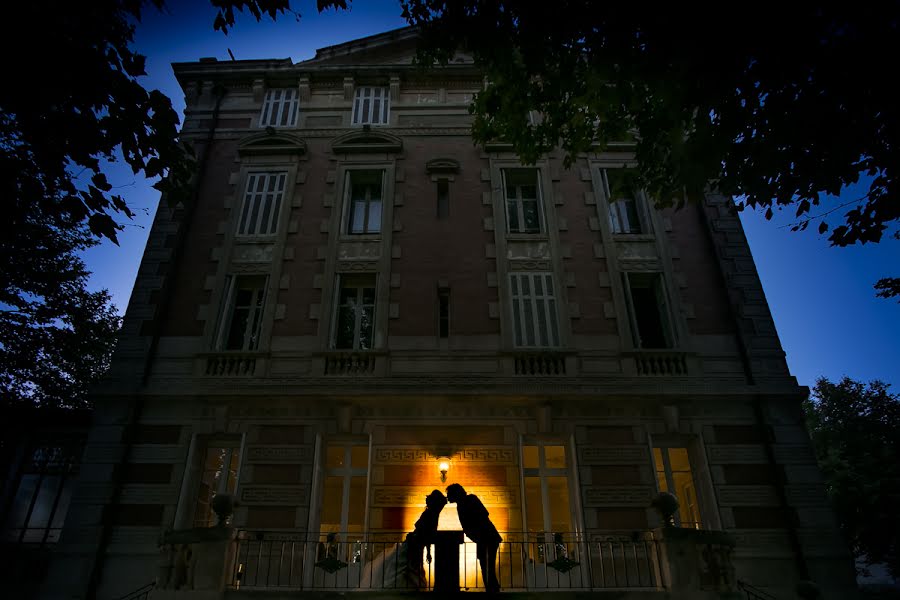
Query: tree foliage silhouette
point(782, 108)
point(855, 429)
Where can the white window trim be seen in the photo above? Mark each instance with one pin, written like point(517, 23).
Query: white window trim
point(347, 473)
point(280, 108)
point(364, 100)
point(251, 221)
point(227, 315)
point(542, 472)
point(519, 203)
point(518, 302)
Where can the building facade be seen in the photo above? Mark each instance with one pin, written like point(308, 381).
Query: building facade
point(358, 298)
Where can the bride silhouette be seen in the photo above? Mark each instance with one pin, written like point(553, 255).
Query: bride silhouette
point(402, 566)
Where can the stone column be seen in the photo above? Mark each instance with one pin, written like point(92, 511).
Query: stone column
point(695, 560)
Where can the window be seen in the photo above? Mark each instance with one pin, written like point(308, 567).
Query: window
point(218, 475)
point(443, 198)
point(648, 309)
point(622, 201)
point(547, 507)
point(41, 496)
point(674, 475)
point(355, 314)
point(371, 106)
point(364, 199)
point(262, 204)
point(443, 313)
point(280, 108)
point(242, 314)
point(344, 496)
point(534, 310)
point(522, 191)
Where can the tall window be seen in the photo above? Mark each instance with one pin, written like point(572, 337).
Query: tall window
point(364, 199)
point(522, 192)
point(674, 475)
point(649, 310)
point(371, 106)
point(345, 486)
point(443, 313)
point(280, 108)
point(547, 507)
point(218, 475)
point(443, 198)
point(262, 203)
point(355, 325)
point(42, 494)
point(242, 315)
point(623, 201)
point(534, 310)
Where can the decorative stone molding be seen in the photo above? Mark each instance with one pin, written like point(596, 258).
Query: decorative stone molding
point(442, 166)
point(366, 141)
point(271, 142)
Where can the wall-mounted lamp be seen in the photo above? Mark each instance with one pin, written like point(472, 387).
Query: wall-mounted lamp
point(443, 467)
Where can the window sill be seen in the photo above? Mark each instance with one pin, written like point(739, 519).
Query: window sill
point(360, 237)
point(256, 239)
point(527, 237)
point(633, 237)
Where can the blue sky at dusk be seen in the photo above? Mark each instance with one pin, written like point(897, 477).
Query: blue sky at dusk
point(828, 318)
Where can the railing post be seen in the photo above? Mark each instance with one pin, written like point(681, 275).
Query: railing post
point(201, 559)
point(446, 560)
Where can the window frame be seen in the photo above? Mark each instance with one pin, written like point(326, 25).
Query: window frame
point(252, 201)
point(519, 202)
point(443, 313)
point(519, 311)
point(349, 203)
point(366, 93)
point(47, 469)
point(665, 314)
point(640, 203)
point(442, 186)
point(346, 473)
point(664, 443)
point(543, 533)
point(252, 332)
point(288, 97)
point(233, 443)
point(355, 281)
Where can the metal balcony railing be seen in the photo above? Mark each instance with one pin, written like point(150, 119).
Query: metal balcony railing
point(370, 561)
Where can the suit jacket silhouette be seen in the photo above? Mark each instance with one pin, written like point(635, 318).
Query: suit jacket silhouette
point(473, 517)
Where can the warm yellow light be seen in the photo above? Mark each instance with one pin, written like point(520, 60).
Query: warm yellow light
point(443, 467)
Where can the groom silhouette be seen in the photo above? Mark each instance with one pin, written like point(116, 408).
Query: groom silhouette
point(473, 517)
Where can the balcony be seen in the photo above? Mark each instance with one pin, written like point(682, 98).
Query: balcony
point(231, 364)
point(661, 363)
point(671, 563)
point(350, 363)
point(540, 363)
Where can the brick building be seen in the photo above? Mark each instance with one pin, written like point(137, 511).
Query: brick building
point(359, 296)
